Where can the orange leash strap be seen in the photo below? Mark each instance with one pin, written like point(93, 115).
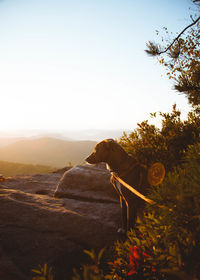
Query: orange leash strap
point(133, 190)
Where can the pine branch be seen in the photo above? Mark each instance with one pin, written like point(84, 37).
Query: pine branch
point(154, 50)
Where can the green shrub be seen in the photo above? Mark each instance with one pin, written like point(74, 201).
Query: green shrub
point(92, 270)
point(44, 272)
point(168, 239)
point(149, 144)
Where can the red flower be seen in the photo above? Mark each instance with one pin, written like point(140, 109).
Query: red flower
point(153, 269)
point(136, 258)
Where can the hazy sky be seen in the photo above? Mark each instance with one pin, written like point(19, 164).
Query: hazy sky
point(81, 64)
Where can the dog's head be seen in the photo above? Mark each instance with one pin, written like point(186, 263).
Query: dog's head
point(104, 150)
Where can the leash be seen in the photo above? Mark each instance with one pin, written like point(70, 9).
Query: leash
point(130, 188)
point(117, 182)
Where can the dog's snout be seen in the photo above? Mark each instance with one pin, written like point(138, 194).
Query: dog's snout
point(92, 159)
point(89, 158)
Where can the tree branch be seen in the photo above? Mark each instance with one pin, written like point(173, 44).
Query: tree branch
point(176, 39)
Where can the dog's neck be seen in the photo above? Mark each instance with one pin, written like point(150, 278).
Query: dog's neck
point(121, 166)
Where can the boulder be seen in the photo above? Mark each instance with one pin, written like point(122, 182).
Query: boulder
point(36, 228)
point(87, 181)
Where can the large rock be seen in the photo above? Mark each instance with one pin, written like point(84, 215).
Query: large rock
point(87, 181)
point(36, 228)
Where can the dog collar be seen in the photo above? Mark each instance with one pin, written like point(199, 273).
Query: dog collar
point(117, 183)
point(109, 168)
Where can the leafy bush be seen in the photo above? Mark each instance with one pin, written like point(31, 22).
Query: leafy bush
point(168, 239)
point(180, 194)
point(167, 144)
point(91, 271)
point(44, 272)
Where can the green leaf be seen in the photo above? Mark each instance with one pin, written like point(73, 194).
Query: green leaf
point(90, 253)
point(100, 254)
point(45, 270)
point(36, 271)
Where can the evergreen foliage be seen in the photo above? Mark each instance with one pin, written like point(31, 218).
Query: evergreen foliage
point(181, 57)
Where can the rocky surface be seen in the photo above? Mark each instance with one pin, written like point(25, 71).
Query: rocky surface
point(36, 228)
point(88, 181)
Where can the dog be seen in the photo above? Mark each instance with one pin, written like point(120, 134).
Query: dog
point(130, 171)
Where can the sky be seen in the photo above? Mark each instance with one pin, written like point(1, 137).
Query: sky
point(81, 64)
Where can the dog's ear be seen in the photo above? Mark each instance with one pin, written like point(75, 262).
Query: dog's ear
point(110, 140)
point(108, 144)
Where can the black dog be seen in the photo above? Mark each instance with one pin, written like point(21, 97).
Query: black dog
point(130, 171)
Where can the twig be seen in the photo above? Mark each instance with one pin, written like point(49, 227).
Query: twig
point(176, 39)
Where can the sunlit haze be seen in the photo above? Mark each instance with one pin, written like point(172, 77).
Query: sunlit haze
point(81, 64)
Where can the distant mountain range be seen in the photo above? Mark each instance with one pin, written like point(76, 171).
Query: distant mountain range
point(70, 135)
point(46, 151)
point(4, 141)
point(94, 134)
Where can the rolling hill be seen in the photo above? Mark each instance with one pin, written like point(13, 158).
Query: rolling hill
point(47, 151)
point(9, 140)
point(12, 169)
